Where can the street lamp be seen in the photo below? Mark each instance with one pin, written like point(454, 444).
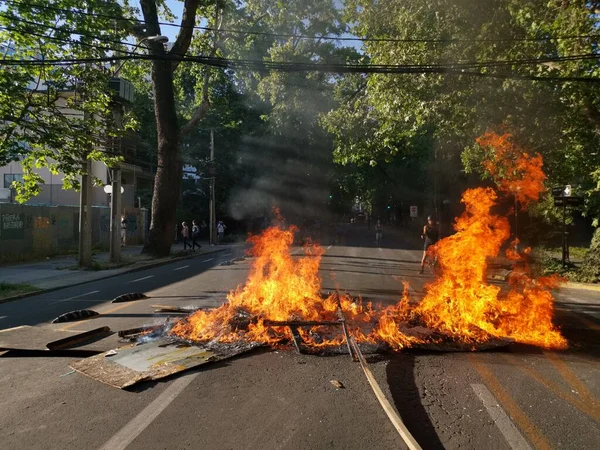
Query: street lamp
point(159, 38)
point(108, 189)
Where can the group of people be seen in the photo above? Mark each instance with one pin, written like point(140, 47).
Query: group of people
point(192, 236)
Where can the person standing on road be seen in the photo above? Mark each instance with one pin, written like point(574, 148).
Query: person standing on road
point(220, 231)
point(185, 235)
point(431, 235)
point(195, 235)
point(378, 233)
point(123, 231)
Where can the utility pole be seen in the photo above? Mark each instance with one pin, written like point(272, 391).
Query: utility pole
point(213, 224)
point(85, 214)
point(115, 215)
point(85, 200)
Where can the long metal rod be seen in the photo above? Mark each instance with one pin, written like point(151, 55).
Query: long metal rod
point(301, 323)
point(408, 438)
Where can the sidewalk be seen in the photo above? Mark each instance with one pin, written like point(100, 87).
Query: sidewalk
point(62, 271)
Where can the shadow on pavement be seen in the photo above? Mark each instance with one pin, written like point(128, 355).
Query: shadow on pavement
point(407, 399)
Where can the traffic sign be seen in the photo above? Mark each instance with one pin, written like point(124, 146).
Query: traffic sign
point(568, 201)
point(414, 211)
point(563, 191)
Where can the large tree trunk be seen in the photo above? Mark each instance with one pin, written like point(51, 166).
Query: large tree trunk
point(168, 175)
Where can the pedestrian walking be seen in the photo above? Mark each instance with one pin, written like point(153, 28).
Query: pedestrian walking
point(185, 235)
point(378, 233)
point(195, 235)
point(220, 231)
point(123, 231)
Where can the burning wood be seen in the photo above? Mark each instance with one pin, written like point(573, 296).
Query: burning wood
point(282, 299)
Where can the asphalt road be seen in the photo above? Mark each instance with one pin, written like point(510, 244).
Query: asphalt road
point(520, 397)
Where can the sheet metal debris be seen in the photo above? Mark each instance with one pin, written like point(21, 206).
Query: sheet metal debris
point(79, 339)
point(154, 360)
point(46, 339)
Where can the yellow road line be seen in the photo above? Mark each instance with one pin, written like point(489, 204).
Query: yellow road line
point(570, 377)
point(591, 410)
point(510, 405)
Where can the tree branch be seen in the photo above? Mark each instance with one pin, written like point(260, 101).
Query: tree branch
point(200, 113)
point(184, 38)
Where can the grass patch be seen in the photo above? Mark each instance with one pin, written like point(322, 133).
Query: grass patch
point(548, 263)
point(10, 290)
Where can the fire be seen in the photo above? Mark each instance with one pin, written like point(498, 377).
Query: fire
point(279, 288)
point(459, 305)
point(460, 302)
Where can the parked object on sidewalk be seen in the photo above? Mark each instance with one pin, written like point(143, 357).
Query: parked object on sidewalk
point(73, 316)
point(129, 297)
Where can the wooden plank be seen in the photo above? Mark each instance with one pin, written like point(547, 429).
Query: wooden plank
point(408, 438)
point(132, 364)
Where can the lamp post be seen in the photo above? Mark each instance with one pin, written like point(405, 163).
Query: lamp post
point(115, 186)
point(115, 215)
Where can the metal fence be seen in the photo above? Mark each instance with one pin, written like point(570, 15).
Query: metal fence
point(28, 231)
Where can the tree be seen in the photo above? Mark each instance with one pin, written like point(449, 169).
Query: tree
point(53, 116)
point(500, 40)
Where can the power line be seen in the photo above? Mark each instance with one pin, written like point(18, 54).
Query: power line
point(280, 65)
point(257, 65)
point(306, 37)
point(66, 30)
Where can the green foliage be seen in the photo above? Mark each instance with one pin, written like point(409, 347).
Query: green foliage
point(55, 116)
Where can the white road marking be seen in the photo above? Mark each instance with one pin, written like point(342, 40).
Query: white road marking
point(228, 254)
point(515, 439)
point(3, 317)
point(208, 260)
point(134, 428)
point(141, 279)
point(329, 247)
point(182, 267)
point(77, 296)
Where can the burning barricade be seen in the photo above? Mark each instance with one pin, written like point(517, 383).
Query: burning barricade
point(282, 302)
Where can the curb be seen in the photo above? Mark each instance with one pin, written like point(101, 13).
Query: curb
point(582, 286)
point(131, 270)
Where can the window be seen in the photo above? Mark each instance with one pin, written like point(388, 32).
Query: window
point(10, 177)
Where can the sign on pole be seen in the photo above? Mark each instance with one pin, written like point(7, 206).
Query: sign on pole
point(568, 201)
point(562, 191)
point(414, 211)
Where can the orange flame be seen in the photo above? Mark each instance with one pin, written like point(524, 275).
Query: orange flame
point(459, 304)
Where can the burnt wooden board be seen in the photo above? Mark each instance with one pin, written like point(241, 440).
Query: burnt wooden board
point(154, 360)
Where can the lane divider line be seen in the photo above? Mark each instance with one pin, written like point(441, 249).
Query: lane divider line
point(535, 436)
point(591, 410)
point(139, 423)
point(142, 279)
point(77, 296)
point(182, 267)
point(208, 260)
point(570, 377)
point(515, 439)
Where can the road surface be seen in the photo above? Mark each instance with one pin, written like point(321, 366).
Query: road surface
point(520, 397)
